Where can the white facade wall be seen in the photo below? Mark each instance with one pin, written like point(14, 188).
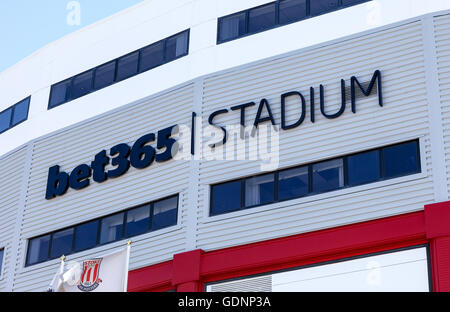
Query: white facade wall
point(400, 51)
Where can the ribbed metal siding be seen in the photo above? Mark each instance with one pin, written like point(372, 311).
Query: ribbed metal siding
point(442, 38)
point(78, 145)
point(12, 175)
point(398, 53)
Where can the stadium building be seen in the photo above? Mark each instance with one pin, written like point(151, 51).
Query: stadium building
point(290, 145)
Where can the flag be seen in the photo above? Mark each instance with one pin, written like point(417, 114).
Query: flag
point(108, 273)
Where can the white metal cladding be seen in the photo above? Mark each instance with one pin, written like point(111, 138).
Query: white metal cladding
point(12, 176)
point(398, 53)
point(80, 144)
point(442, 38)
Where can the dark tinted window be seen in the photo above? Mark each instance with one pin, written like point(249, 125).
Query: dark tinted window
point(122, 68)
point(328, 175)
point(5, 119)
point(60, 93)
point(86, 235)
point(61, 243)
point(275, 14)
point(259, 190)
point(111, 228)
point(176, 46)
point(138, 220)
point(164, 213)
point(104, 75)
point(20, 111)
point(261, 18)
point(363, 168)
point(322, 6)
point(352, 2)
point(226, 197)
point(38, 249)
point(401, 159)
point(127, 66)
point(292, 10)
point(231, 27)
point(82, 84)
point(293, 183)
point(152, 56)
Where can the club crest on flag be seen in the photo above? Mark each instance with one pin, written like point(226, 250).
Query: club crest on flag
point(90, 278)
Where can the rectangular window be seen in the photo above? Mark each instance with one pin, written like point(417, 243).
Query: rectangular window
point(20, 112)
point(111, 228)
point(152, 56)
point(261, 18)
point(226, 197)
point(401, 159)
point(176, 46)
point(38, 249)
point(60, 93)
point(328, 175)
point(363, 168)
point(122, 68)
point(346, 171)
point(82, 84)
point(275, 14)
point(293, 183)
point(86, 235)
point(292, 10)
point(138, 221)
point(127, 66)
point(260, 190)
point(164, 213)
point(5, 119)
point(323, 6)
point(232, 27)
point(61, 243)
point(105, 75)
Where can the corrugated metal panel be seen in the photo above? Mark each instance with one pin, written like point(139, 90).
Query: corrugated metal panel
point(398, 53)
point(12, 176)
point(78, 145)
point(256, 284)
point(442, 38)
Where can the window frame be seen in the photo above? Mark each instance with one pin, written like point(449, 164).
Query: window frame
point(73, 81)
point(310, 165)
point(99, 225)
point(13, 109)
point(308, 15)
point(116, 61)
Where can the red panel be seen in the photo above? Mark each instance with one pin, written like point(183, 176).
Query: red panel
point(437, 219)
point(155, 278)
point(186, 266)
point(440, 262)
point(188, 271)
point(340, 242)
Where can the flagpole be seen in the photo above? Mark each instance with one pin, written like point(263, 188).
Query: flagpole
point(53, 284)
point(126, 266)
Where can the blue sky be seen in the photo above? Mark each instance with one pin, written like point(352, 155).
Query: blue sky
point(27, 25)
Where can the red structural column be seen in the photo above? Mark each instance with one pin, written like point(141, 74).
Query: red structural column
point(186, 271)
point(437, 228)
